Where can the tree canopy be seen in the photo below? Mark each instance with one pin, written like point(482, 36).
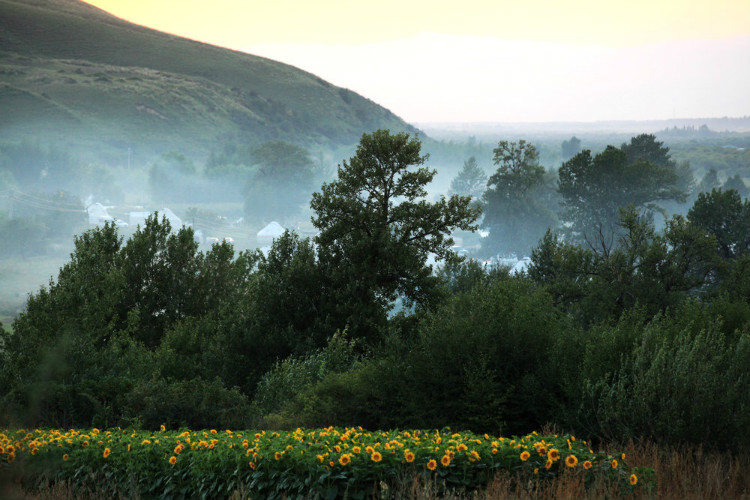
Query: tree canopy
point(594, 188)
point(378, 231)
point(513, 211)
point(470, 181)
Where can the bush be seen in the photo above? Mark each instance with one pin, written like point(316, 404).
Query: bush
point(190, 403)
point(683, 380)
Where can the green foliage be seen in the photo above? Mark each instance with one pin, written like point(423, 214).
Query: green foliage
point(724, 215)
point(570, 148)
point(470, 181)
point(179, 404)
point(656, 271)
point(736, 183)
point(111, 303)
point(678, 379)
point(514, 212)
point(595, 188)
point(377, 230)
point(294, 375)
point(480, 362)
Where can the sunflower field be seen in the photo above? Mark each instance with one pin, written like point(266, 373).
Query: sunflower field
point(324, 463)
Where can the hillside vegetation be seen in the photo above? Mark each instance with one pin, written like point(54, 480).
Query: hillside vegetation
point(69, 70)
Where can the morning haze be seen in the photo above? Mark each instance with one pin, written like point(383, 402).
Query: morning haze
point(459, 221)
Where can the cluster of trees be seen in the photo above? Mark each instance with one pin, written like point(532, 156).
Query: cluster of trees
point(582, 199)
point(273, 179)
point(650, 337)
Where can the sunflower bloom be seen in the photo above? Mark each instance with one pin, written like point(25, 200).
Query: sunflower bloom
point(432, 465)
point(462, 447)
point(344, 459)
point(252, 465)
point(376, 456)
point(587, 465)
point(65, 457)
point(173, 460)
point(446, 460)
point(409, 456)
point(614, 464)
point(633, 479)
point(571, 461)
point(107, 451)
point(553, 455)
point(548, 464)
point(277, 456)
point(525, 456)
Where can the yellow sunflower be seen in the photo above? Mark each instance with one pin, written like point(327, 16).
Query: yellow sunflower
point(571, 461)
point(446, 460)
point(376, 456)
point(525, 456)
point(633, 479)
point(432, 465)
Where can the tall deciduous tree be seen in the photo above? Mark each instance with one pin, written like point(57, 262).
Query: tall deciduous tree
point(470, 181)
point(594, 188)
point(377, 231)
point(570, 148)
point(513, 212)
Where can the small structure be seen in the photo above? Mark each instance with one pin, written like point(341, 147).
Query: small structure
point(98, 214)
point(266, 235)
point(139, 218)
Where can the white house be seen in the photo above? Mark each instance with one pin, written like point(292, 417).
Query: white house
point(139, 218)
point(266, 235)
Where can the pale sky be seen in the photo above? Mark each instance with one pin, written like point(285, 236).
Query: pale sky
point(492, 60)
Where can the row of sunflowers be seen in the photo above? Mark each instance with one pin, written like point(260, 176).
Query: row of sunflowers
point(321, 463)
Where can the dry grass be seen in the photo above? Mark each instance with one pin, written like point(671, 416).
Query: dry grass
point(682, 472)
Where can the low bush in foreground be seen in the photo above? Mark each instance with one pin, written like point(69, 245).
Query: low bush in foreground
point(324, 463)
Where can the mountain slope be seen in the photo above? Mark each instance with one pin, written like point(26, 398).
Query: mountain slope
point(68, 69)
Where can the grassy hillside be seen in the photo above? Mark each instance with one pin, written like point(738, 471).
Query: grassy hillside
point(71, 72)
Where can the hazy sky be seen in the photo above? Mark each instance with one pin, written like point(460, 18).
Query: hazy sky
point(492, 60)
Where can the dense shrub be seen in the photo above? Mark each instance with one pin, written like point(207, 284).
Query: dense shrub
point(678, 379)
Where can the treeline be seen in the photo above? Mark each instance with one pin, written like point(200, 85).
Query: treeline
point(581, 200)
point(647, 337)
